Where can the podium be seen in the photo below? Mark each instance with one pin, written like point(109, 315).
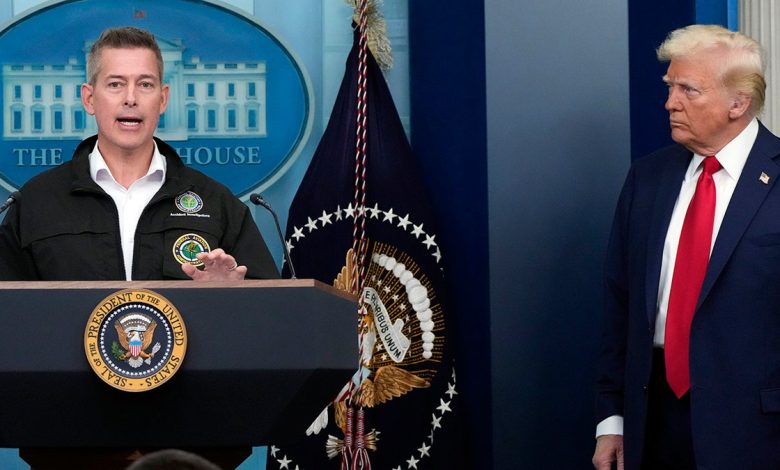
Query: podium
point(263, 359)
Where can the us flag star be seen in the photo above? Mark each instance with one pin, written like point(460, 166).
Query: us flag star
point(417, 231)
point(297, 233)
point(403, 221)
point(389, 216)
point(325, 218)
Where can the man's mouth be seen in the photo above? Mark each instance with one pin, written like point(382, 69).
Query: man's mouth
point(129, 121)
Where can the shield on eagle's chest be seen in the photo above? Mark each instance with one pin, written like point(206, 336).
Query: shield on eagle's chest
point(135, 347)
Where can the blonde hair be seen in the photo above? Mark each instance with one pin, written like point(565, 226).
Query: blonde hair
point(742, 66)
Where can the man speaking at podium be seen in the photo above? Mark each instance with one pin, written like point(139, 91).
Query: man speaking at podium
point(125, 206)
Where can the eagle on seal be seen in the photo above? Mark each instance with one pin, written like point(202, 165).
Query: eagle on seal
point(135, 342)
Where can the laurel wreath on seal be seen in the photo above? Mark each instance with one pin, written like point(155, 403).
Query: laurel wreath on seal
point(117, 351)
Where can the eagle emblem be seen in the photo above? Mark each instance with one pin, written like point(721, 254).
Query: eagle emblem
point(135, 332)
point(388, 369)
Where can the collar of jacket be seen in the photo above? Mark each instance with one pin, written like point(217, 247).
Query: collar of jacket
point(174, 183)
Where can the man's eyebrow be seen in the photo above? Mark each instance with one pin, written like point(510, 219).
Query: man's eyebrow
point(681, 82)
point(140, 77)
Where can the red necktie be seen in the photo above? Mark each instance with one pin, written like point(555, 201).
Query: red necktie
point(690, 266)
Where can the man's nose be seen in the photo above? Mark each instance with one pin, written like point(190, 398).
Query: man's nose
point(130, 96)
point(673, 100)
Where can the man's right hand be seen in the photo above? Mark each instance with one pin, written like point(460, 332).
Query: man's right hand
point(609, 448)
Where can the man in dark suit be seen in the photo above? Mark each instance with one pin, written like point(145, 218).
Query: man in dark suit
point(689, 373)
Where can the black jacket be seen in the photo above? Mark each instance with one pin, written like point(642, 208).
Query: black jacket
point(65, 227)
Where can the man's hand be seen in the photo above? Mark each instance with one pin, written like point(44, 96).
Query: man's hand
point(217, 266)
point(609, 448)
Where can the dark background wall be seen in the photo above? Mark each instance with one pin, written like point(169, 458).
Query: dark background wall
point(558, 147)
point(448, 134)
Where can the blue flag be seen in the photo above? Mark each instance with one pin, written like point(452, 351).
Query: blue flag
point(406, 384)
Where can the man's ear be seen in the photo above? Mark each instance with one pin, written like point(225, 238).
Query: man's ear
point(164, 98)
point(739, 106)
point(86, 98)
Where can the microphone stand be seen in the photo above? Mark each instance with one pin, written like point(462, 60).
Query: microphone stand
point(258, 200)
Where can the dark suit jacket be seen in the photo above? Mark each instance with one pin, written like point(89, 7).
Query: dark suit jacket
point(735, 335)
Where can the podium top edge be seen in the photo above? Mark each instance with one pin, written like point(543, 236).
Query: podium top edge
point(245, 284)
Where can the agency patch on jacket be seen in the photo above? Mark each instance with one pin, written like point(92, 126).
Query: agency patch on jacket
point(187, 247)
point(135, 340)
point(189, 202)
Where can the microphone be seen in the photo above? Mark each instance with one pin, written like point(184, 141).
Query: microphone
point(12, 198)
point(258, 200)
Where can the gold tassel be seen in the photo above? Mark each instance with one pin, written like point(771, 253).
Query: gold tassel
point(376, 31)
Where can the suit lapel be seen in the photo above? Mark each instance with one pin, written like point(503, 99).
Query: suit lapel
point(748, 196)
point(671, 177)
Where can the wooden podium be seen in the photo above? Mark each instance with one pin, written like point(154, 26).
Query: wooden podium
point(263, 359)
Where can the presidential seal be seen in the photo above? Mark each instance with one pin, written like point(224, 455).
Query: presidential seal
point(187, 247)
point(135, 340)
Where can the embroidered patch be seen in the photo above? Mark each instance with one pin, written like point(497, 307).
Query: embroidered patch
point(187, 247)
point(189, 202)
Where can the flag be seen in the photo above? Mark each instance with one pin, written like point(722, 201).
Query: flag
point(405, 388)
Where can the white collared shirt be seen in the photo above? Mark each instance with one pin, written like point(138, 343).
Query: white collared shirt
point(732, 158)
point(130, 202)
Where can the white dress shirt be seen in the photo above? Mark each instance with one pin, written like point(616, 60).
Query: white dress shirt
point(130, 202)
point(732, 158)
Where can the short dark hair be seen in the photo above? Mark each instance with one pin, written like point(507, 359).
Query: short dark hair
point(121, 38)
point(172, 459)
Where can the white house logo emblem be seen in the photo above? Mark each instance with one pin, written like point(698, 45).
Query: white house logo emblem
point(239, 107)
